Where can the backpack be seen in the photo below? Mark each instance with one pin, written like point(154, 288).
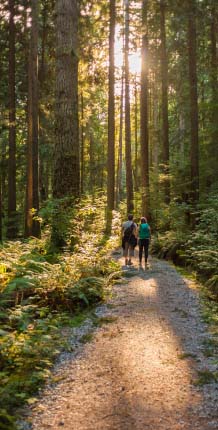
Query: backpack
point(128, 231)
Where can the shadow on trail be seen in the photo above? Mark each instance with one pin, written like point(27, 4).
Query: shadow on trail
point(132, 376)
point(155, 379)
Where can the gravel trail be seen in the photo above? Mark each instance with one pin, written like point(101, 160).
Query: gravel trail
point(139, 371)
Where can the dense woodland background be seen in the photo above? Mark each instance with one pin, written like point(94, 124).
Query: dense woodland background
point(85, 136)
point(69, 128)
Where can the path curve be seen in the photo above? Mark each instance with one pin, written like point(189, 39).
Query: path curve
point(139, 371)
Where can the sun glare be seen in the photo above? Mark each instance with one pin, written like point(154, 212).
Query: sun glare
point(135, 62)
point(134, 57)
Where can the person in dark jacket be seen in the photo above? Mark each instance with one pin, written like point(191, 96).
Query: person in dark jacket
point(144, 235)
point(129, 234)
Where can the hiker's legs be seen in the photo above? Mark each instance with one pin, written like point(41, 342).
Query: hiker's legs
point(131, 254)
point(125, 252)
point(146, 246)
point(140, 251)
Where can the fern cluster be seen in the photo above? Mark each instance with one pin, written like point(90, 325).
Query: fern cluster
point(197, 248)
point(42, 291)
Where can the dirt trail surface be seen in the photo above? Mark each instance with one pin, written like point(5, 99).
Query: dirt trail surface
point(139, 371)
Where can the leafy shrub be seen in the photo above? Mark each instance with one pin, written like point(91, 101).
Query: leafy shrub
point(6, 421)
point(87, 291)
point(198, 248)
point(41, 291)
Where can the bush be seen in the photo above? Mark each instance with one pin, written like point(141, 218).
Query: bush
point(198, 248)
point(41, 291)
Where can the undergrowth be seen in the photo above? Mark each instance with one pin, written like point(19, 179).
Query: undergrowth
point(41, 292)
point(195, 254)
point(197, 248)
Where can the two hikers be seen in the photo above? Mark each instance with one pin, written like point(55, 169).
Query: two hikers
point(130, 233)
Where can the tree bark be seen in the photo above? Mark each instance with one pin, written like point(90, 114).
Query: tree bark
point(42, 77)
point(29, 187)
point(66, 174)
point(91, 162)
point(129, 179)
point(165, 121)
point(120, 148)
point(4, 171)
point(144, 115)
point(66, 181)
point(32, 225)
point(35, 117)
point(214, 87)
point(12, 226)
point(1, 211)
point(136, 138)
point(111, 120)
point(82, 147)
point(193, 102)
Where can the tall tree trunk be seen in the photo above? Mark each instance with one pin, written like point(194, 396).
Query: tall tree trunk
point(1, 211)
point(144, 115)
point(155, 160)
point(214, 86)
point(66, 179)
point(111, 121)
point(32, 201)
point(35, 117)
point(129, 180)
point(120, 148)
point(12, 227)
point(193, 102)
point(91, 162)
point(136, 169)
point(29, 187)
point(82, 147)
point(66, 161)
point(42, 162)
point(181, 136)
point(4, 171)
point(165, 121)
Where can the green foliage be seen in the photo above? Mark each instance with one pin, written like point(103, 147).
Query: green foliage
point(106, 320)
point(43, 292)
point(212, 285)
point(87, 290)
point(197, 248)
point(6, 421)
point(185, 355)
point(86, 338)
point(211, 347)
point(206, 377)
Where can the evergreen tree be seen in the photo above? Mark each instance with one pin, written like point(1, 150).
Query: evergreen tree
point(128, 151)
point(111, 120)
point(165, 121)
point(32, 226)
point(193, 100)
point(12, 227)
point(144, 115)
point(66, 176)
point(214, 87)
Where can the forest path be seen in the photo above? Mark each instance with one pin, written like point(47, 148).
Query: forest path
point(138, 372)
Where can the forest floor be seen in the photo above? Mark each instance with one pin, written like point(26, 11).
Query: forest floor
point(148, 366)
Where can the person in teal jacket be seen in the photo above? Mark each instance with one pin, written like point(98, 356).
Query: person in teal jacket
point(144, 234)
